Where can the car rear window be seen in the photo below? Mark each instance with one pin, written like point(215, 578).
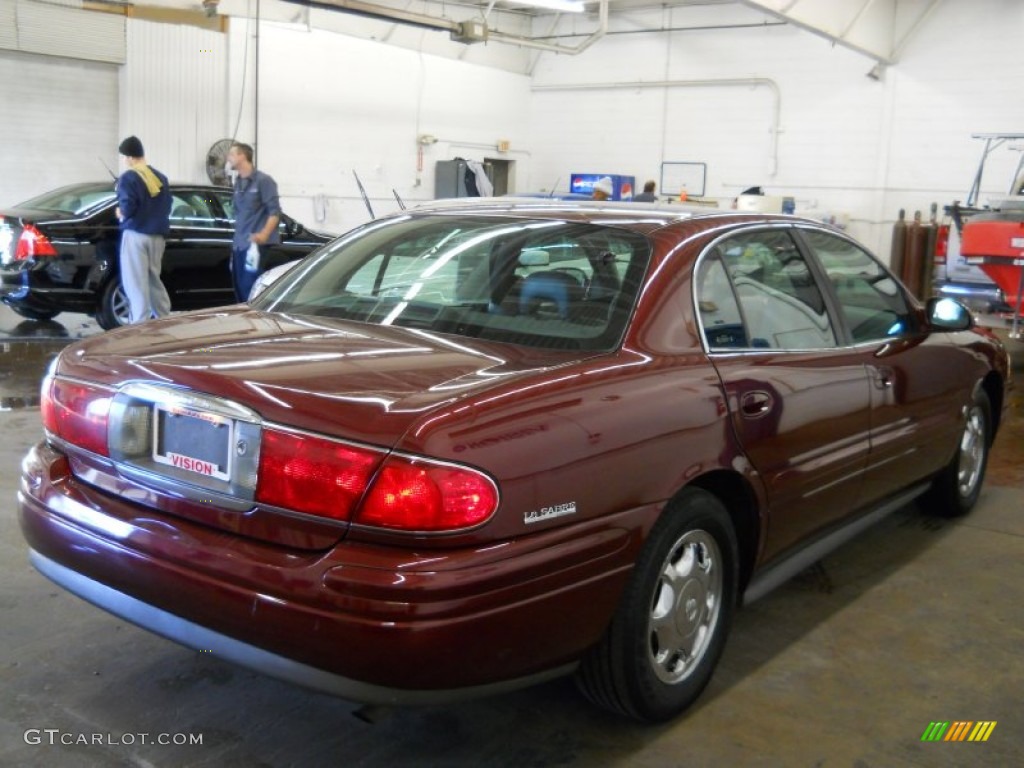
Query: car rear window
point(534, 282)
point(75, 199)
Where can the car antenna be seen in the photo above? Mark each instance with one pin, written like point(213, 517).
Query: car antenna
point(112, 174)
point(400, 203)
point(552, 192)
point(363, 193)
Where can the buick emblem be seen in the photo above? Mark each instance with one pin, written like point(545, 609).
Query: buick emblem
point(241, 447)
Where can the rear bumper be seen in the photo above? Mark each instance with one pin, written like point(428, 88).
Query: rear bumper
point(33, 290)
point(369, 623)
point(244, 654)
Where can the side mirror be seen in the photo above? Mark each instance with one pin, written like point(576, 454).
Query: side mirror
point(945, 314)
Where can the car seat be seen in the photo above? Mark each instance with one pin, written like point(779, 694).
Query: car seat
point(549, 292)
point(183, 212)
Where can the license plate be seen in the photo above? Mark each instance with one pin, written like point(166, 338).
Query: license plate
point(193, 441)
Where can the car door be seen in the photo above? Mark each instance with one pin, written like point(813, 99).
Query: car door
point(198, 251)
point(798, 400)
point(916, 395)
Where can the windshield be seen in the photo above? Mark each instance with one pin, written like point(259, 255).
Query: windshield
point(535, 282)
point(76, 199)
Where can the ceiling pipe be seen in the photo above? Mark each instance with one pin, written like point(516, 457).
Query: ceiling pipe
point(383, 13)
point(726, 82)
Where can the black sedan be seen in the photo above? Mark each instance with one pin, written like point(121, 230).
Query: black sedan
point(59, 252)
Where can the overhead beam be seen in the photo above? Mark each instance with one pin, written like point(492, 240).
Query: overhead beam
point(879, 29)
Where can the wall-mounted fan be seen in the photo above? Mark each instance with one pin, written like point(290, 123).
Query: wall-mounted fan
point(216, 157)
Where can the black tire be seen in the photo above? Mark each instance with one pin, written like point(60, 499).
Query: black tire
point(112, 310)
point(955, 490)
point(679, 602)
point(34, 314)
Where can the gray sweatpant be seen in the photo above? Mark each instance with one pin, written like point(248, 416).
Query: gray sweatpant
point(141, 256)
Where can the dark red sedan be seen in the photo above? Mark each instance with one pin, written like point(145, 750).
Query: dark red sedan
point(470, 447)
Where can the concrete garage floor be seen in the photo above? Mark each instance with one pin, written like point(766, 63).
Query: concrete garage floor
point(916, 621)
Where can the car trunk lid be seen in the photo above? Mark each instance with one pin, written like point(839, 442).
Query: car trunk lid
point(363, 386)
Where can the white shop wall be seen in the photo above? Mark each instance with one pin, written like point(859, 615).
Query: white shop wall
point(173, 96)
point(328, 104)
point(962, 74)
point(331, 104)
point(846, 143)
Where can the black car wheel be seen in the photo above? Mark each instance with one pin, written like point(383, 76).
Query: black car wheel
point(955, 490)
point(113, 310)
point(35, 314)
point(669, 631)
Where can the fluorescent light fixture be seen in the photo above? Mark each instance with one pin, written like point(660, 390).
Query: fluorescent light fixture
point(567, 6)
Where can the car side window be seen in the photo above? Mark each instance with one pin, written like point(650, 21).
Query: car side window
point(778, 300)
point(190, 209)
point(227, 203)
point(719, 312)
point(872, 302)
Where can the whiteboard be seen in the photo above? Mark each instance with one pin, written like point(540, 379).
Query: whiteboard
point(675, 175)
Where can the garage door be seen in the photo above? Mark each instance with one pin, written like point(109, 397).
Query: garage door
point(59, 121)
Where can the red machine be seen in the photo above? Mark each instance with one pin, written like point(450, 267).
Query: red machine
point(994, 239)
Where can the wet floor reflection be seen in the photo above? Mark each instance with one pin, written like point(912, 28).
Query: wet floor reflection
point(22, 365)
point(67, 325)
point(26, 349)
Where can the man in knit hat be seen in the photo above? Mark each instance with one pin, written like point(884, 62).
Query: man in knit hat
point(144, 209)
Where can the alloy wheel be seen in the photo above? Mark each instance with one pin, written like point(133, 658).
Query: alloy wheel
point(972, 452)
point(685, 607)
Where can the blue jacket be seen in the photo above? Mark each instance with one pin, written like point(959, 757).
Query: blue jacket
point(140, 211)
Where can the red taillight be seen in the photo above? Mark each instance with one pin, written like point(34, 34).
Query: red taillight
point(419, 495)
point(311, 474)
point(76, 413)
point(322, 477)
point(942, 244)
point(33, 243)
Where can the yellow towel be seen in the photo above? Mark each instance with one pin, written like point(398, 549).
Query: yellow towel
point(153, 184)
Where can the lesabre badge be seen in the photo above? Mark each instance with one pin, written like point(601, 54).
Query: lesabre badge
point(549, 513)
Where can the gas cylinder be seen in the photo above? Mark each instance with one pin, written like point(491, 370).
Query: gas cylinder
point(898, 248)
point(931, 238)
point(916, 243)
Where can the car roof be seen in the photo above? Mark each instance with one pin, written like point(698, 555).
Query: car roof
point(108, 183)
point(605, 212)
point(641, 217)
